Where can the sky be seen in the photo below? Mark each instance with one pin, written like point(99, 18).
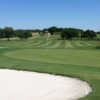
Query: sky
point(39, 14)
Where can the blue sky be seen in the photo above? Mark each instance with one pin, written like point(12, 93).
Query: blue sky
point(31, 14)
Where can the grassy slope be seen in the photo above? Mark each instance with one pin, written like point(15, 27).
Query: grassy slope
point(77, 59)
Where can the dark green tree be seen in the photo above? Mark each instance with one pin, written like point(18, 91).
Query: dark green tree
point(98, 32)
point(8, 32)
point(22, 34)
point(52, 30)
point(69, 33)
point(89, 34)
point(2, 33)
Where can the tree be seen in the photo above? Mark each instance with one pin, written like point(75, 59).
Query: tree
point(98, 32)
point(8, 32)
point(52, 30)
point(22, 34)
point(88, 34)
point(2, 33)
point(69, 33)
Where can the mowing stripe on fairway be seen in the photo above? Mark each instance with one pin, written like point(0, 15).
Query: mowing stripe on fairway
point(62, 45)
point(56, 44)
point(41, 43)
point(78, 44)
point(46, 43)
point(32, 43)
point(86, 44)
point(68, 44)
point(52, 43)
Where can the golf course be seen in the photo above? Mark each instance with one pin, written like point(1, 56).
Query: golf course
point(71, 58)
point(50, 50)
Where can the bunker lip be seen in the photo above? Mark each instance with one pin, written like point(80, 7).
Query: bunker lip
point(22, 85)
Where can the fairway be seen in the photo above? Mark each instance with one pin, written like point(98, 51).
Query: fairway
point(78, 59)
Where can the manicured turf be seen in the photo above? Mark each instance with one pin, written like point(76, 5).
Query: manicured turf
point(74, 58)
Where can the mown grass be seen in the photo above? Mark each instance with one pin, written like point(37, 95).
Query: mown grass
point(58, 57)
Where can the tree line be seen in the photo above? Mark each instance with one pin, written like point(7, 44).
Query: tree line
point(64, 33)
point(9, 32)
point(70, 33)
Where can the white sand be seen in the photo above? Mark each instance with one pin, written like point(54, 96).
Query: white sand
point(20, 85)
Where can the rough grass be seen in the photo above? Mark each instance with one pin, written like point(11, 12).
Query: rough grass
point(61, 57)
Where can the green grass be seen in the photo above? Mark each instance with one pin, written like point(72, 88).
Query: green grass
point(77, 58)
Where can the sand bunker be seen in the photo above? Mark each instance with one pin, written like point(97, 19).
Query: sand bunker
point(20, 85)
